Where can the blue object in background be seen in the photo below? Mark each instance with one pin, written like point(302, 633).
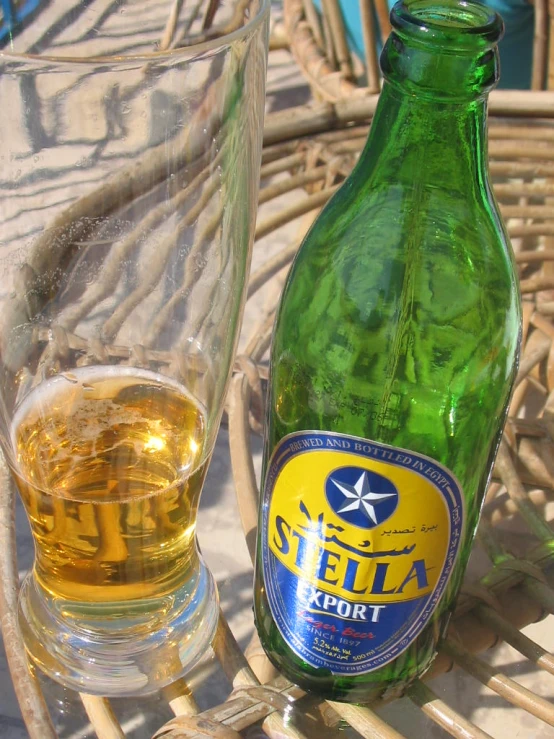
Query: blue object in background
point(516, 48)
point(13, 14)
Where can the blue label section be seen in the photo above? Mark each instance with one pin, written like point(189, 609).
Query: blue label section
point(359, 540)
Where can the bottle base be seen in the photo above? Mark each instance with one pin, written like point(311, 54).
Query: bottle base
point(117, 649)
point(358, 690)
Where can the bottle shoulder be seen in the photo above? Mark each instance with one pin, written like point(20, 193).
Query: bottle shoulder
point(391, 212)
point(366, 244)
point(389, 313)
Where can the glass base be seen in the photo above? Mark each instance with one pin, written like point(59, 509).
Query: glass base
point(118, 649)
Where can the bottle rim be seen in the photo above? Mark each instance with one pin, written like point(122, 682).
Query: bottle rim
point(459, 23)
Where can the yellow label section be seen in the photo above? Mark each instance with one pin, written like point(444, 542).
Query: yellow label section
point(360, 529)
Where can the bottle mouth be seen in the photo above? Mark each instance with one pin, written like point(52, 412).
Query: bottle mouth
point(459, 23)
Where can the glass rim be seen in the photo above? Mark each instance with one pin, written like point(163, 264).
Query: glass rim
point(192, 50)
point(416, 16)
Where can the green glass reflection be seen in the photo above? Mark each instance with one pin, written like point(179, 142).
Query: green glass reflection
point(400, 320)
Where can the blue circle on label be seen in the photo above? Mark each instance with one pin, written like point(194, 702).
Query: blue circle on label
point(361, 497)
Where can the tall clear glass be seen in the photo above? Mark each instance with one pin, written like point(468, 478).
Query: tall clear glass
point(130, 140)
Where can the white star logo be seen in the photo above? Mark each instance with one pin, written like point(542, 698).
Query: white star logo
point(359, 497)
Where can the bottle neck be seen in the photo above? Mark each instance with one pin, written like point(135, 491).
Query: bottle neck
point(439, 143)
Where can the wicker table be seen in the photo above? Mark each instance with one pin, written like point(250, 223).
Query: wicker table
point(308, 152)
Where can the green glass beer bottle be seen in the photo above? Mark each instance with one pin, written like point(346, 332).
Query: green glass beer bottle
point(393, 358)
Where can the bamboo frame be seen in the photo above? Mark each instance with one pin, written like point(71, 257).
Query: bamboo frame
point(540, 45)
point(321, 117)
point(481, 631)
point(371, 61)
point(326, 85)
point(441, 713)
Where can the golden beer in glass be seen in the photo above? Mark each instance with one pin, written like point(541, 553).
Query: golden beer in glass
point(128, 188)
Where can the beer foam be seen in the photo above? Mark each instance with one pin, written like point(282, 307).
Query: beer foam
point(41, 398)
point(77, 410)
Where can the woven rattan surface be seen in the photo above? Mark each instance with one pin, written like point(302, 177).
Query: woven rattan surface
point(309, 151)
point(516, 590)
point(319, 42)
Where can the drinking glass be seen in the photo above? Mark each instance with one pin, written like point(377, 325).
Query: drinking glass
point(130, 140)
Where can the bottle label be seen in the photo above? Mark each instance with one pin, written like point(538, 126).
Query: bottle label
point(359, 540)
